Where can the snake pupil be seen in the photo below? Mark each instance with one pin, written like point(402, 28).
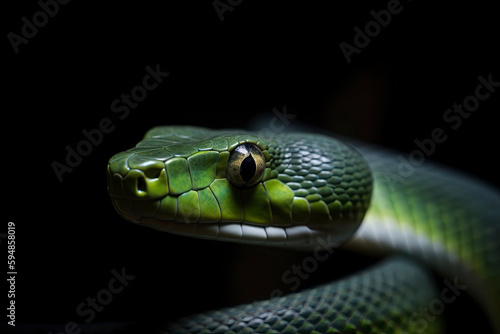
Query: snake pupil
point(248, 168)
point(245, 166)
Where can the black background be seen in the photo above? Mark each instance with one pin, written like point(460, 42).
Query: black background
point(222, 74)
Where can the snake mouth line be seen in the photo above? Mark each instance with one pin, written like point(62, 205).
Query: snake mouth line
point(299, 237)
point(192, 209)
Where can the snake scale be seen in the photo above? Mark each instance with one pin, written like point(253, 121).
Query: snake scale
point(299, 190)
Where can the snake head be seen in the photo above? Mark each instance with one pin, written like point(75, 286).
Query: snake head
point(236, 186)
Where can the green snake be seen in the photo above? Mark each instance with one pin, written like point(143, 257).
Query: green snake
point(300, 191)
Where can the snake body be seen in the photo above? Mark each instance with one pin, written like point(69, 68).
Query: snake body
point(298, 190)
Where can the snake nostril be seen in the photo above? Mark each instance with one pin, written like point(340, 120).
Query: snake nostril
point(141, 184)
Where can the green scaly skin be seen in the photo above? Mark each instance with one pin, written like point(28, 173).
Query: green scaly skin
point(315, 188)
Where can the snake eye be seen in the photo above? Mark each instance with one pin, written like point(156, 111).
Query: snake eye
point(246, 165)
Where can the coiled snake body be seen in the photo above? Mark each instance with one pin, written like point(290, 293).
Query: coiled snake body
point(299, 190)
